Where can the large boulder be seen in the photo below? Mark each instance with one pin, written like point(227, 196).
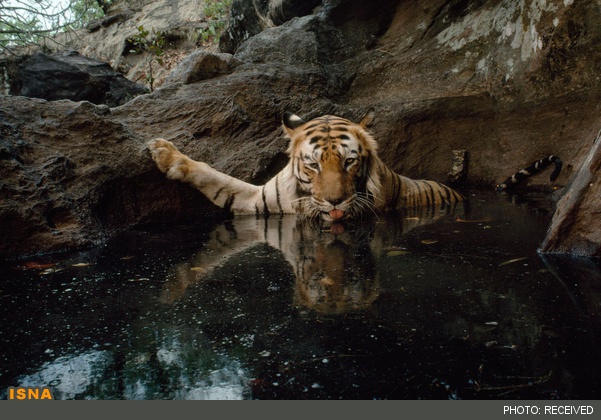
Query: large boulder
point(71, 175)
point(576, 225)
point(249, 18)
point(68, 75)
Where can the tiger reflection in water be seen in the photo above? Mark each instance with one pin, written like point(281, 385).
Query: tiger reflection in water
point(335, 267)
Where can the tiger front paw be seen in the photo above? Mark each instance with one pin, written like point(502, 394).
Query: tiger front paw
point(168, 159)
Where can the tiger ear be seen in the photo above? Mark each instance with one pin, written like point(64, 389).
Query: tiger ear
point(368, 119)
point(291, 122)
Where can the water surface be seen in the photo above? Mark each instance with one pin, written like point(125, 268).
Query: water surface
point(423, 305)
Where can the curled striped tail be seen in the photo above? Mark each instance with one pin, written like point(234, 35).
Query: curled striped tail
point(532, 169)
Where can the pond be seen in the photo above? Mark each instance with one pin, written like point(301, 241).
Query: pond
point(422, 305)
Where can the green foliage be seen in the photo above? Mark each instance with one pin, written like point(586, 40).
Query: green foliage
point(216, 13)
point(86, 11)
point(16, 32)
point(153, 43)
point(28, 22)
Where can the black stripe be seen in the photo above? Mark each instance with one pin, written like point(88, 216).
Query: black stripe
point(403, 186)
point(433, 198)
point(418, 199)
point(396, 188)
point(413, 193)
point(447, 191)
point(280, 233)
point(265, 209)
point(422, 186)
point(298, 168)
point(265, 228)
point(277, 193)
point(444, 193)
point(218, 193)
point(443, 198)
point(557, 170)
point(228, 203)
point(313, 125)
point(315, 139)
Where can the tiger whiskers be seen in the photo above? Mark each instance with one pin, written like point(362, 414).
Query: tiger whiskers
point(302, 203)
point(361, 204)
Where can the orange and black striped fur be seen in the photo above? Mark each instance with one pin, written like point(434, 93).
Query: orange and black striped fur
point(334, 172)
point(534, 168)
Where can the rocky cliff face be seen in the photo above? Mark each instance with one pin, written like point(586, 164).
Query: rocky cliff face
point(508, 81)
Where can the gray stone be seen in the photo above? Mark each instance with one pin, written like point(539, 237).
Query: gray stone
point(202, 65)
point(249, 18)
point(68, 75)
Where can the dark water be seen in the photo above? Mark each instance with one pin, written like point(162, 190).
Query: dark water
point(417, 306)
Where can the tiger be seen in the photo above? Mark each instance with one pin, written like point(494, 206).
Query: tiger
point(333, 173)
point(330, 272)
point(534, 168)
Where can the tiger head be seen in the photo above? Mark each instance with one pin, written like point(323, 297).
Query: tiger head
point(332, 161)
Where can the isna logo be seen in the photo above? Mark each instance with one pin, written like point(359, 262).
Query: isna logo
point(29, 393)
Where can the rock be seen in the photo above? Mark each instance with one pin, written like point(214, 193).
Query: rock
point(576, 225)
point(69, 75)
point(202, 65)
point(181, 23)
point(508, 82)
point(459, 169)
point(249, 18)
point(110, 20)
point(72, 175)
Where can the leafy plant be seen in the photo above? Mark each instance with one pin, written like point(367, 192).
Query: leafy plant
point(153, 43)
point(216, 13)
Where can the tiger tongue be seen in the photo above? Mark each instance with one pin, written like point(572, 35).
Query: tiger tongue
point(336, 214)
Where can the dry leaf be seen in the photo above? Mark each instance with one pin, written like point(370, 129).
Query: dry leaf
point(32, 265)
point(512, 261)
point(459, 219)
point(396, 253)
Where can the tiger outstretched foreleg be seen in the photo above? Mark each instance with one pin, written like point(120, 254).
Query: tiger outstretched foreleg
point(223, 190)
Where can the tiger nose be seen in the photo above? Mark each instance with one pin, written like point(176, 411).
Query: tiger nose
point(335, 201)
